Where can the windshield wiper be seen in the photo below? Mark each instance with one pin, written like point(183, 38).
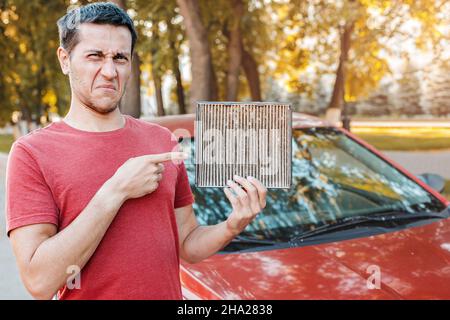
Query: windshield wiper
point(376, 220)
point(248, 240)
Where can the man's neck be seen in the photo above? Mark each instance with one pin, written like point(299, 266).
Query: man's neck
point(89, 120)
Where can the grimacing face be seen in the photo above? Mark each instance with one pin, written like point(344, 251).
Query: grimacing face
point(99, 65)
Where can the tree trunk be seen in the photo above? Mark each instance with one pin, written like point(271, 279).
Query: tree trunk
point(234, 51)
point(131, 100)
point(199, 51)
point(251, 73)
point(39, 109)
point(176, 71)
point(337, 98)
point(214, 87)
point(180, 90)
point(156, 70)
point(250, 67)
point(158, 95)
point(25, 121)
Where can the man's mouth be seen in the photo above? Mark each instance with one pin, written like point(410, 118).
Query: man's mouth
point(108, 87)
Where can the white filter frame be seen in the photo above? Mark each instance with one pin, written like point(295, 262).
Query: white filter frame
point(241, 135)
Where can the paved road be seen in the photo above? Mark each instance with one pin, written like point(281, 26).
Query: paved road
point(418, 162)
point(11, 287)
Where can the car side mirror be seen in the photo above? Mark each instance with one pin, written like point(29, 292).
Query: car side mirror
point(433, 180)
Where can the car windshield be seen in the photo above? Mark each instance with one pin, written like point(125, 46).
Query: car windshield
point(333, 177)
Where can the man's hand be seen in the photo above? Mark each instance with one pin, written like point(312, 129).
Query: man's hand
point(248, 199)
point(141, 175)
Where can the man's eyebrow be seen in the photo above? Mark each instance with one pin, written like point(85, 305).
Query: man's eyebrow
point(94, 50)
point(123, 53)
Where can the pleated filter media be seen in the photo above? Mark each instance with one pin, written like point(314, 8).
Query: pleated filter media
point(246, 139)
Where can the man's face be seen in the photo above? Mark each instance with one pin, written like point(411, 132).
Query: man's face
point(100, 65)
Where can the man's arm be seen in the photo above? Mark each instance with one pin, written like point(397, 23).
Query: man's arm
point(199, 242)
point(43, 255)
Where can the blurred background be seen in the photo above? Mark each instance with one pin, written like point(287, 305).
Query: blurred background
point(375, 59)
point(379, 68)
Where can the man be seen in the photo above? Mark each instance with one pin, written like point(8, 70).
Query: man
point(98, 192)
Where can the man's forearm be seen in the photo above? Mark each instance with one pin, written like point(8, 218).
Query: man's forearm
point(205, 241)
point(74, 245)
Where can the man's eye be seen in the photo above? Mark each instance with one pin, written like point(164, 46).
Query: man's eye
point(121, 58)
point(96, 55)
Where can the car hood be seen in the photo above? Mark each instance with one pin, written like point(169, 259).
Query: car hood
point(413, 263)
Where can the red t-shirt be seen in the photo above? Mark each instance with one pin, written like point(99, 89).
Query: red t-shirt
point(53, 173)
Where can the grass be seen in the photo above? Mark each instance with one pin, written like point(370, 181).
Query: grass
point(6, 140)
point(446, 192)
point(406, 139)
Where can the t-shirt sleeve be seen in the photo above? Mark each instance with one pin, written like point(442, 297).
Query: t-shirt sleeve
point(183, 193)
point(29, 199)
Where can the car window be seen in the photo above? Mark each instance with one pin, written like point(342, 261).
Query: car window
point(333, 177)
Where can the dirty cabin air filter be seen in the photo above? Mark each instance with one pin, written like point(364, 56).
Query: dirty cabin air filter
point(246, 139)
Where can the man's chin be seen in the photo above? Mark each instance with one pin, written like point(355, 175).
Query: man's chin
point(103, 109)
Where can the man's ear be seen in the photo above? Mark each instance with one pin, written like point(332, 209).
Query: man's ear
point(64, 60)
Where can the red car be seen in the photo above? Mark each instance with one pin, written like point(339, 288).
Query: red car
point(354, 225)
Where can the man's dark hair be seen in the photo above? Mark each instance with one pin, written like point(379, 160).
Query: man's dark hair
point(100, 13)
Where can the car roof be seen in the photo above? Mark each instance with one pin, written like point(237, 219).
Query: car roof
point(183, 125)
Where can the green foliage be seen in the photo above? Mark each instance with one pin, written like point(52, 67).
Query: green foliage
point(31, 79)
point(311, 30)
point(446, 191)
point(6, 141)
point(286, 38)
point(159, 32)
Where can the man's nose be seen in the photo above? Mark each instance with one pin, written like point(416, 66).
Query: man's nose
point(109, 70)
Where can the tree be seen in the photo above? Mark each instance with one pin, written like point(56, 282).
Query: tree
point(258, 39)
point(235, 50)
point(409, 92)
point(175, 40)
point(379, 103)
point(351, 39)
point(157, 71)
point(240, 27)
point(6, 43)
point(159, 28)
point(200, 54)
point(237, 40)
point(252, 74)
point(338, 95)
point(32, 83)
point(437, 92)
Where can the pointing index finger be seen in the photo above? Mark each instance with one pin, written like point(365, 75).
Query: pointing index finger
point(156, 158)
